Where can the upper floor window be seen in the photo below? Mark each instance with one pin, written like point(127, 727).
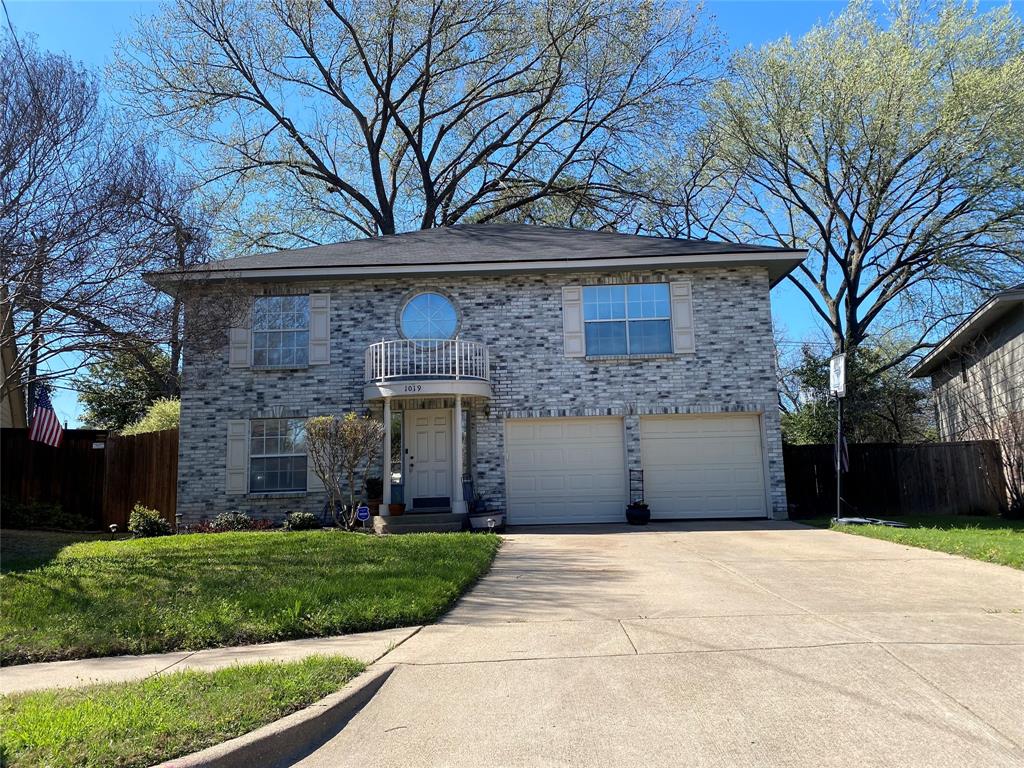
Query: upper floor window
point(429, 316)
point(280, 331)
point(627, 319)
point(277, 455)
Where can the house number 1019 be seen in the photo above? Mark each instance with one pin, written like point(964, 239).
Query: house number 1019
point(413, 387)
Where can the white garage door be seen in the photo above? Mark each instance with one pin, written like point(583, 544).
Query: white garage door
point(703, 466)
point(565, 470)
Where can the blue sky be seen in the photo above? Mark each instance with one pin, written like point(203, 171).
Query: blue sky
point(88, 31)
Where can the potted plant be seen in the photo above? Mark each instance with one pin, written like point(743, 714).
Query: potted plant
point(638, 513)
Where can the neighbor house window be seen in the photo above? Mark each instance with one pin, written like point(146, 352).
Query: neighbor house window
point(627, 319)
point(280, 331)
point(277, 455)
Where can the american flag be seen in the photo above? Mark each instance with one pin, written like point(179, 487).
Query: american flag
point(45, 424)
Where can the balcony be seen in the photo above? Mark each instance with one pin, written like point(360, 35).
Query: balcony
point(426, 367)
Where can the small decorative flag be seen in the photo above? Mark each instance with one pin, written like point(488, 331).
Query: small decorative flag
point(45, 424)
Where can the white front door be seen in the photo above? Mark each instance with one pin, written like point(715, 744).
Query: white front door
point(428, 455)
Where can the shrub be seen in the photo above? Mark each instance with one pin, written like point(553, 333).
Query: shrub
point(38, 514)
point(145, 522)
point(229, 521)
point(301, 521)
point(162, 414)
point(232, 521)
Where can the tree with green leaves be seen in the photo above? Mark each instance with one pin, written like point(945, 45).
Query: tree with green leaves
point(882, 404)
point(163, 413)
point(367, 117)
point(117, 389)
point(893, 149)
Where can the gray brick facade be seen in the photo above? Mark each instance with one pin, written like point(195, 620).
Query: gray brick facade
point(519, 318)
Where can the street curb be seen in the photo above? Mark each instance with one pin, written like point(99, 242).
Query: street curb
point(284, 741)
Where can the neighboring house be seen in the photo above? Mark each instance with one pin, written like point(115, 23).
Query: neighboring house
point(977, 375)
point(977, 371)
point(12, 399)
point(531, 366)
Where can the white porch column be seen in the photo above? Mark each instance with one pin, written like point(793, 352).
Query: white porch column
point(387, 459)
point(458, 503)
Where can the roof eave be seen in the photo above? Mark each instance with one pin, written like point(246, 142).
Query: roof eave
point(779, 264)
point(967, 331)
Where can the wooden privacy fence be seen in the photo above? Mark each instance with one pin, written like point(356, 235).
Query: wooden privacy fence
point(893, 479)
point(140, 468)
point(93, 474)
point(71, 476)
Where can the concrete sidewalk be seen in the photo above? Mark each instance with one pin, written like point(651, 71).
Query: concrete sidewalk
point(729, 644)
point(367, 647)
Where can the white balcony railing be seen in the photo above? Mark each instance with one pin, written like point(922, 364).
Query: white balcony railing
point(427, 359)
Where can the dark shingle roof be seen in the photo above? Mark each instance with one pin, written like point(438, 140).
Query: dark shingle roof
point(465, 244)
point(493, 247)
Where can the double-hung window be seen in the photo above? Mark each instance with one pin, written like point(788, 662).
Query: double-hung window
point(280, 331)
point(627, 319)
point(277, 455)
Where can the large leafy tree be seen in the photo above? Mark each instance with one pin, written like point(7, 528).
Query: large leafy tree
point(339, 118)
point(882, 406)
point(893, 149)
point(117, 389)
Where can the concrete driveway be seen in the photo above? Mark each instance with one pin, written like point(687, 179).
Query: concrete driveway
point(729, 644)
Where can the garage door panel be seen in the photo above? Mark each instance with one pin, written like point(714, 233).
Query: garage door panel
point(703, 466)
point(523, 485)
point(565, 470)
point(551, 483)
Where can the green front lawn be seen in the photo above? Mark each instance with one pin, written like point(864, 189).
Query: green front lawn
point(23, 550)
point(145, 722)
point(197, 591)
point(992, 539)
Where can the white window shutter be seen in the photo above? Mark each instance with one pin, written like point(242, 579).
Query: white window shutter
point(682, 316)
point(573, 337)
point(319, 329)
point(238, 347)
point(237, 465)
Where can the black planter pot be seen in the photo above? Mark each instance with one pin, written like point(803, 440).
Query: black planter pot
point(638, 514)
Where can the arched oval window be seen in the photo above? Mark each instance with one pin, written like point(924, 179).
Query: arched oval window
point(429, 317)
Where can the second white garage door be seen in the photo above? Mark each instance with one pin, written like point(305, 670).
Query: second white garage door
point(703, 466)
point(569, 470)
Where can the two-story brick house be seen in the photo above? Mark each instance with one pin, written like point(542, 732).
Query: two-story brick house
point(534, 365)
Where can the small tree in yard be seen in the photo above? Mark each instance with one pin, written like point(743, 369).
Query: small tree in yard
point(343, 449)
